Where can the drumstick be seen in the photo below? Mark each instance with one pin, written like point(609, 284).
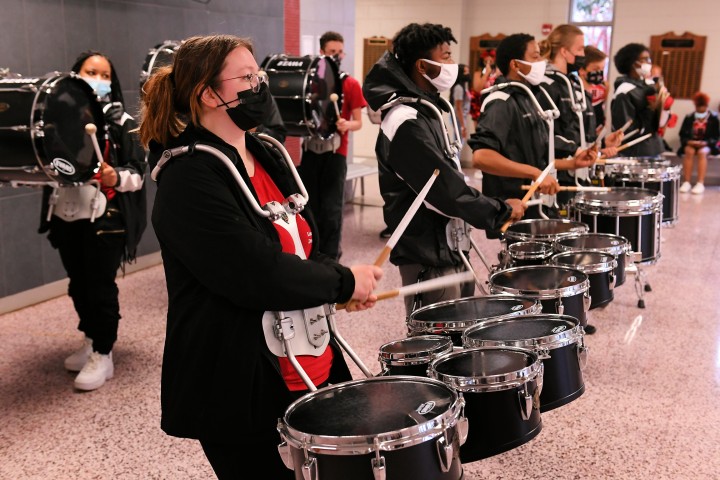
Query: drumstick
point(631, 133)
point(626, 126)
point(577, 188)
point(334, 99)
point(91, 129)
point(531, 190)
point(392, 241)
point(420, 287)
point(633, 142)
point(616, 161)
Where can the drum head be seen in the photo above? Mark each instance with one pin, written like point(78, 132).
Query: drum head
point(542, 329)
point(628, 200)
point(422, 348)
point(370, 406)
point(543, 229)
point(601, 242)
point(486, 366)
point(530, 250)
point(548, 279)
point(586, 261)
point(69, 106)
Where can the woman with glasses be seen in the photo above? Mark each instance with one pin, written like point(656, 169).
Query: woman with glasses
point(635, 98)
point(239, 258)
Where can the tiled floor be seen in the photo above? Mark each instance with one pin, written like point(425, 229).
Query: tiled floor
point(650, 410)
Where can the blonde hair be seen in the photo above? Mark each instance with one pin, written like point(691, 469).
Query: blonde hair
point(172, 94)
point(561, 36)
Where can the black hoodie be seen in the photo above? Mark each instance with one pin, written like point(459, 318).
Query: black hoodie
point(410, 146)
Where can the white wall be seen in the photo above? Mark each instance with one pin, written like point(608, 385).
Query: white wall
point(635, 21)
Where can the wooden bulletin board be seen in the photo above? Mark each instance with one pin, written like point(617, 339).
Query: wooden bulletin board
point(681, 58)
point(479, 45)
point(373, 49)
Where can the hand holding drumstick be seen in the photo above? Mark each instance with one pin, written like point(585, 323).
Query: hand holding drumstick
point(108, 175)
point(342, 124)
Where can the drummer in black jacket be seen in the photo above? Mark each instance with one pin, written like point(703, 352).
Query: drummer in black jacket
point(411, 144)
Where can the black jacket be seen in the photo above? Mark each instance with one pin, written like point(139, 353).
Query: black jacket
point(409, 147)
point(712, 132)
point(630, 102)
point(224, 268)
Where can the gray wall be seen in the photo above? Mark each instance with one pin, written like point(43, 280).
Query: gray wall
point(41, 36)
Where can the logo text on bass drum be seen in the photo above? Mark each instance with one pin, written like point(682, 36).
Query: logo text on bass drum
point(290, 63)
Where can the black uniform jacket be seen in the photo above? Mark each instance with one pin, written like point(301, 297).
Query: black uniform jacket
point(224, 268)
point(409, 147)
point(511, 125)
point(712, 132)
point(630, 102)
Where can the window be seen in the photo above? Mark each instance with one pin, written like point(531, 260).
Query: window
point(595, 18)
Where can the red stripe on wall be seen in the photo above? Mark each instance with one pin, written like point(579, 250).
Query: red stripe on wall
point(292, 47)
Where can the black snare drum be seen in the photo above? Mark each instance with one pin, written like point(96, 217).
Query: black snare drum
point(396, 428)
point(302, 87)
point(598, 242)
point(501, 387)
point(561, 290)
point(542, 230)
point(657, 175)
point(600, 269)
point(634, 213)
point(453, 317)
point(162, 55)
point(42, 130)
point(412, 355)
point(557, 339)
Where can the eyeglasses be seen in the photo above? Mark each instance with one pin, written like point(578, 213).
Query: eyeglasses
point(254, 79)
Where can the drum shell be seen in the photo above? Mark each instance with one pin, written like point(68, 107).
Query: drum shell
point(163, 54)
point(574, 297)
point(409, 448)
point(453, 317)
point(412, 355)
point(541, 230)
point(496, 423)
point(633, 213)
point(563, 344)
point(657, 175)
point(42, 129)
point(616, 245)
point(599, 267)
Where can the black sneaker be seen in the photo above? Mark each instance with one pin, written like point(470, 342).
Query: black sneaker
point(386, 233)
point(590, 329)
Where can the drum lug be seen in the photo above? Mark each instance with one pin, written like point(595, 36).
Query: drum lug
point(587, 300)
point(310, 468)
point(560, 307)
point(378, 463)
point(286, 455)
point(611, 281)
point(543, 353)
point(582, 355)
point(526, 403)
point(462, 426)
point(445, 450)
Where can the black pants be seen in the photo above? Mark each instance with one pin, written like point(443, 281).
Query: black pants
point(91, 256)
point(324, 177)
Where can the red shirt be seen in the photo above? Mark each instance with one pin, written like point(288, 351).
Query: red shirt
point(352, 99)
point(297, 241)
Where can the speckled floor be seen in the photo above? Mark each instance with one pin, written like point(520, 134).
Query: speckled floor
point(651, 408)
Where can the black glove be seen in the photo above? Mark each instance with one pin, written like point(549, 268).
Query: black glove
point(113, 112)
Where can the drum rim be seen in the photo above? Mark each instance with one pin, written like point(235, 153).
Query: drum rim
point(600, 267)
point(569, 291)
point(153, 53)
point(510, 234)
point(382, 441)
point(460, 325)
point(664, 174)
point(489, 383)
point(554, 341)
point(622, 248)
point(648, 204)
point(546, 251)
point(415, 358)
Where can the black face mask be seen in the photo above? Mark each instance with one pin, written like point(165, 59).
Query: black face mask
point(578, 64)
point(252, 108)
point(595, 77)
point(337, 59)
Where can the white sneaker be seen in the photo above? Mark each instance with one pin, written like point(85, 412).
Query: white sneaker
point(98, 368)
point(77, 360)
point(698, 188)
point(685, 187)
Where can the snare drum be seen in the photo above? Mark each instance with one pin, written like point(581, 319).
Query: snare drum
point(396, 428)
point(501, 387)
point(561, 290)
point(634, 213)
point(598, 242)
point(529, 253)
point(453, 317)
point(542, 230)
point(412, 355)
point(559, 342)
point(302, 87)
point(599, 267)
point(162, 55)
point(657, 175)
point(42, 130)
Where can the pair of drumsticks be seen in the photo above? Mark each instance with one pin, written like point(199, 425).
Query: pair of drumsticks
point(91, 130)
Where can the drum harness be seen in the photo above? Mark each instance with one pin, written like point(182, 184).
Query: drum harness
point(316, 143)
point(297, 332)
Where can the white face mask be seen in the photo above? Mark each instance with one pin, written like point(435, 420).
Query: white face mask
point(447, 77)
point(645, 70)
point(537, 72)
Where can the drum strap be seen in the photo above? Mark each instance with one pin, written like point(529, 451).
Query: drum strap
point(298, 332)
point(319, 145)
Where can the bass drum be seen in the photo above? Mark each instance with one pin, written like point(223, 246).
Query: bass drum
point(162, 55)
point(42, 130)
point(302, 87)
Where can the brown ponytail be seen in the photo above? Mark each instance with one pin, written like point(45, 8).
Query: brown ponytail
point(561, 36)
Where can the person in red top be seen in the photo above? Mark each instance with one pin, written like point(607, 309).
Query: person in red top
point(324, 172)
